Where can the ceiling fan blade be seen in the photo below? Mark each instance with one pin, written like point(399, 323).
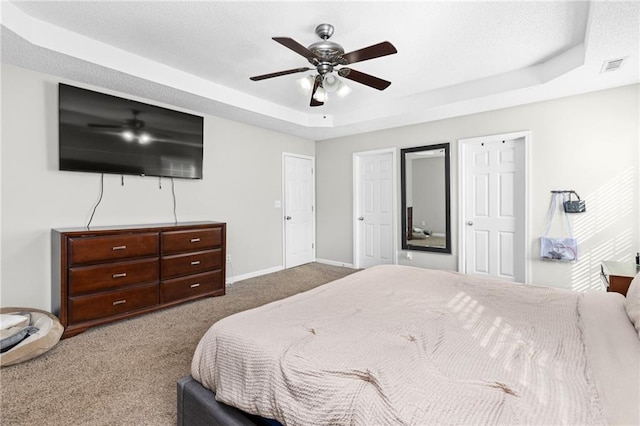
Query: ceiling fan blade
point(314, 102)
point(362, 78)
point(377, 50)
point(296, 47)
point(105, 126)
point(278, 74)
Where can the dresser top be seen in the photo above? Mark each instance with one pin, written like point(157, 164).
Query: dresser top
point(151, 226)
point(620, 269)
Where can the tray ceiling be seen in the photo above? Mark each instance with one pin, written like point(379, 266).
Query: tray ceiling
point(453, 58)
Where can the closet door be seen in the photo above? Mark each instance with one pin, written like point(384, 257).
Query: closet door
point(494, 206)
point(374, 222)
point(299, 206)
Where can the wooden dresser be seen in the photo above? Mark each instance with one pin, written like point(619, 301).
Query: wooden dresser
point(110, 273)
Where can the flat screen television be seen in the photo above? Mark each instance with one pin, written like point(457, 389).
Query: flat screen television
point(106, 134)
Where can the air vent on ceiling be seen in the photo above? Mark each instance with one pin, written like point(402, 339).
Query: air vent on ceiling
point(612, 64)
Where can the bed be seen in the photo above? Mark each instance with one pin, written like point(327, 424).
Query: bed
point(404, 345)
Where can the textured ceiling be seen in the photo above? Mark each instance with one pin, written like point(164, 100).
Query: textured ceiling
point(453, 57)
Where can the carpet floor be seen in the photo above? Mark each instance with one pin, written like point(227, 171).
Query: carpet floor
point(125, 373)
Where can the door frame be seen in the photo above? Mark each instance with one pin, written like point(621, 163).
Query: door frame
point(394, 197)
point(462, 229)
point(284, 204)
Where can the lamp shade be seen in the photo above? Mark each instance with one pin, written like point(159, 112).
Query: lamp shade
point(320, 95)
point(305, 84)
point(344, 90)
point(331, 83)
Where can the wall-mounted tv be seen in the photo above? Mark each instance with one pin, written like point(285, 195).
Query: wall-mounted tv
point(106, 134)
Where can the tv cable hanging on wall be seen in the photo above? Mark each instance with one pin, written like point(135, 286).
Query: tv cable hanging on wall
point(99, 198)
point(101, 193)
point(173, 192)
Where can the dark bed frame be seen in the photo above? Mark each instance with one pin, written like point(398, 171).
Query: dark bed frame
point(197, 406)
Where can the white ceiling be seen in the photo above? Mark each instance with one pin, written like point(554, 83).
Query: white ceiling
point(453, 57)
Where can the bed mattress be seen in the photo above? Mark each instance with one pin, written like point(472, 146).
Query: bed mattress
point(403, 345)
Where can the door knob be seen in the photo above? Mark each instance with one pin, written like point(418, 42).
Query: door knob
point(288, 217)
point(470, 223)
point(361, 218)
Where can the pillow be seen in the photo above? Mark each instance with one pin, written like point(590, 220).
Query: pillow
point(13, 320)
point(49, 332)
point(14, 336)
point(632, 303)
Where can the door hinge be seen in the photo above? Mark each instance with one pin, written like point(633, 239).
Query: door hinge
point(313, 245)
point(311, 208)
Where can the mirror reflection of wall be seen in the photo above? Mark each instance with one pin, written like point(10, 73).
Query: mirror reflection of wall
point(426, 198)
point(428, 206)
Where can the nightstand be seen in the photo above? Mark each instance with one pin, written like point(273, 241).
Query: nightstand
point(616, 276)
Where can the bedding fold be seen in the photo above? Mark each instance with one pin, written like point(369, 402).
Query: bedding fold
point(613, 351)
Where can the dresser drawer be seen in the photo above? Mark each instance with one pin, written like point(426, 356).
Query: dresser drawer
point(191, 240)
point(102, 305)
point(191, 263)
point(114, 247)
point(191, 286)
point(89, 279)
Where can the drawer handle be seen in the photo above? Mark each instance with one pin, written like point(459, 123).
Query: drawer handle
point(195, 240)
point(120, 302)
point(121, 275)
point(195, 285)
point(195, 263)
point(118, 248)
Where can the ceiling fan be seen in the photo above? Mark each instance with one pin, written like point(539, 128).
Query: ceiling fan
point(132, 129)
point(325, 55)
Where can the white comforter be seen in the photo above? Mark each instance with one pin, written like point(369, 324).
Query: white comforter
point(401, 345)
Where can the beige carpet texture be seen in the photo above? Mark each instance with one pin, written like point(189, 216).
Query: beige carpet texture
point(125, 373)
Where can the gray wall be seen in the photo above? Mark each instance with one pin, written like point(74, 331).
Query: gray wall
point(242, 179)
point(590, 143)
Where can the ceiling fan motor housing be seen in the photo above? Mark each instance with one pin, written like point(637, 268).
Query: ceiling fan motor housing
point(324, 68)
point(326, 50)
point(328, 53)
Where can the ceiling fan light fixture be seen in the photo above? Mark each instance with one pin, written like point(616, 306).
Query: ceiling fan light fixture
point(331, 83)
point(305, 84)
point(343, 90)
point(320, 95)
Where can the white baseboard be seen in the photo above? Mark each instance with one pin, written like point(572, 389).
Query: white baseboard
point(335, 263)
point(233, 279)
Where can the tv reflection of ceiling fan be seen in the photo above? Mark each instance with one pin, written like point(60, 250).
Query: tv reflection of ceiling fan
point(132, 129)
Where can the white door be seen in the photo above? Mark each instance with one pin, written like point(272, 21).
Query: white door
point(299, 216)
point(374, 175)
point(494, 207)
